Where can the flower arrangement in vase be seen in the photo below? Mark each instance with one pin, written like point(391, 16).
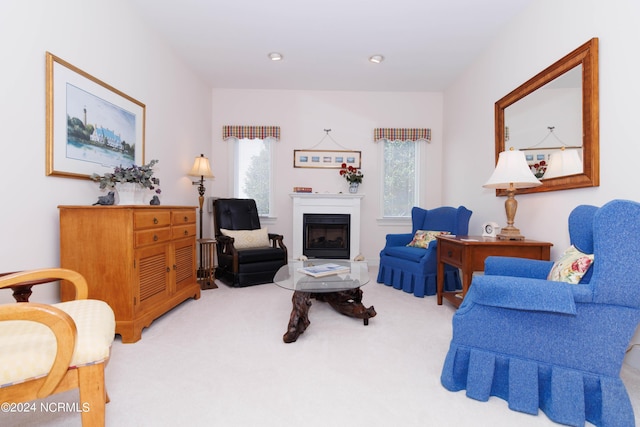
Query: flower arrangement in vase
point(539, 169)
point(352, 175)
point(137, 177)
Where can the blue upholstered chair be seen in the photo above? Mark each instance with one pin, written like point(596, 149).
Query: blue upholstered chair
point(413, 269)
point(553, 345)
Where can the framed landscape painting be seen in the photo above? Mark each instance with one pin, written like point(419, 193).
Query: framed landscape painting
point(326, 159)
point(91, 126)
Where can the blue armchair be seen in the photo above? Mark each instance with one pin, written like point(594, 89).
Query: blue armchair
point(413, 269)
point(552, 345)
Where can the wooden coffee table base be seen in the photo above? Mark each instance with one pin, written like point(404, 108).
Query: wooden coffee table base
point(347, 302)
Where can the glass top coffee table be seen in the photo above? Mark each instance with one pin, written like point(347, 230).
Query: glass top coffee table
point(341, 291)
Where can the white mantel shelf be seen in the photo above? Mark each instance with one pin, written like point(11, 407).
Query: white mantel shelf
point(326, 203)
point(327, 195)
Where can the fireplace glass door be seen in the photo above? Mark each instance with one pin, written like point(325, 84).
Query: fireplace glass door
point(326, 235)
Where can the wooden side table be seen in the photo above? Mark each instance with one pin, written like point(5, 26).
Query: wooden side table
point(22, 292)
point(469, 252)
point(206, 270)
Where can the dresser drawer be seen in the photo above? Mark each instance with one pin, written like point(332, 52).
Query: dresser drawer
point(149, 237)
point(180, 231)
point(153, 218)
point(183, 217)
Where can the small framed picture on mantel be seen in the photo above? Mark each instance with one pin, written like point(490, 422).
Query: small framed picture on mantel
point(326, 159)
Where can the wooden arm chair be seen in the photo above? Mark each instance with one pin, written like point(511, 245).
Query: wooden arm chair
point(49, 349)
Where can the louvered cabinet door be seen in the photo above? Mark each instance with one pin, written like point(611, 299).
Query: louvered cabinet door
point(185, 263)
point(153, 274)
point(183, 233)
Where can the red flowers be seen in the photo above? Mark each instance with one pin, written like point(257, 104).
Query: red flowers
point(539, 169)
point(351, 174)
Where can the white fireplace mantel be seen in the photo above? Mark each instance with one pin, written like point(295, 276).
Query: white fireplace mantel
point(326, 203)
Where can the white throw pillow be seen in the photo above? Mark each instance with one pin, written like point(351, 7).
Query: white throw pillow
point(246, 239)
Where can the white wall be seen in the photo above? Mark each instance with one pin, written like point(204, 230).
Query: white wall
point(351, 116)
point(105, 39)
point(544, 33)
point(181, 122)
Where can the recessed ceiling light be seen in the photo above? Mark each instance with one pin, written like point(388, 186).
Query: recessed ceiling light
point(376, 59)
point(275, 56)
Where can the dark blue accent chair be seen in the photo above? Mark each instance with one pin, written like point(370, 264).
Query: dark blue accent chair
point(414, 269)
point(554, 346)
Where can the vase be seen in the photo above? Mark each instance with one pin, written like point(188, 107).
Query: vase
point(130, 193)
point(353, 187)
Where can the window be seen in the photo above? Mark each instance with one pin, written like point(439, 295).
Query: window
point(400, 177)
point(252, 172)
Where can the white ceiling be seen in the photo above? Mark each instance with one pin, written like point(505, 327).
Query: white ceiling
point(326, 43)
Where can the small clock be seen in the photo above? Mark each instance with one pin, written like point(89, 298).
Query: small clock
point(489, 229)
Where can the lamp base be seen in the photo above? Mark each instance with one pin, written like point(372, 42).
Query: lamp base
point(509, 233)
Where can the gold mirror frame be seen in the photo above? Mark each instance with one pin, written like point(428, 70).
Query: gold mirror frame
point(587, 56)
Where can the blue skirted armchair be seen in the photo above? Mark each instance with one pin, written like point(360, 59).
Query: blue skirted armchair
point(413, 269)
point(553, 345)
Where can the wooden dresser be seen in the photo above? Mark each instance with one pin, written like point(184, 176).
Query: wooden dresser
point(141, 260)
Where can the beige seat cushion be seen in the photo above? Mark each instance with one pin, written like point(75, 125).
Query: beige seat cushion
point(27, 349)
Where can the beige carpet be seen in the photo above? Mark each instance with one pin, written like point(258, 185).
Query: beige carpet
point(220, 361)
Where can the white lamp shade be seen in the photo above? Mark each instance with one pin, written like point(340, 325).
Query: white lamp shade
point(512, 169)
point(563, 163)
point(201, 167)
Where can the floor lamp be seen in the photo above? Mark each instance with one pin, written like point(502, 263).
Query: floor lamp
point(202, 169)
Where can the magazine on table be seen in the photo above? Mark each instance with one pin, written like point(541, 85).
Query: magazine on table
point(325, 270)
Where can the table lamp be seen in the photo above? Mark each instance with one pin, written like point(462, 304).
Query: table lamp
point(512, 172)
point(563, 162)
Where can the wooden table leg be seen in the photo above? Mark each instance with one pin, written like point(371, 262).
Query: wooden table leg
point(21, 293)
point(348, 303)
point(440, 281)
point(467, 276)
point(299, 319)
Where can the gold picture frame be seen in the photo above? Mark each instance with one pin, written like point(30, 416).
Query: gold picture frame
point(325, 159)
point(91, 127)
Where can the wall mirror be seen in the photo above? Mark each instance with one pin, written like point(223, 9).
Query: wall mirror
point(554, 119)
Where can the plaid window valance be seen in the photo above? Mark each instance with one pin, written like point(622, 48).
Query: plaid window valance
point(251, 132)
point(401, 134)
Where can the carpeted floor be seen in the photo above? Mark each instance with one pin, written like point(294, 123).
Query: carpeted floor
point(220, 361)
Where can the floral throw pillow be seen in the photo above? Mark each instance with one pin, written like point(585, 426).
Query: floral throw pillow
point(571, 266)
point(422, 238)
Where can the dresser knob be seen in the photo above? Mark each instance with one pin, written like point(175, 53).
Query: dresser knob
point(175, 267)
point(449, 253)
point(186, 219)
point(168, 270)
point(186, 232)
point(155, 220)
point(155, 237)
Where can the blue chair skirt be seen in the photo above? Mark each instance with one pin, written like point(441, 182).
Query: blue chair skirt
point(567, 396)
point(418, 284)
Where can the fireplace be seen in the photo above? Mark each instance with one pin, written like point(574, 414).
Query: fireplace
point(326, 204)
point(326, 235)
